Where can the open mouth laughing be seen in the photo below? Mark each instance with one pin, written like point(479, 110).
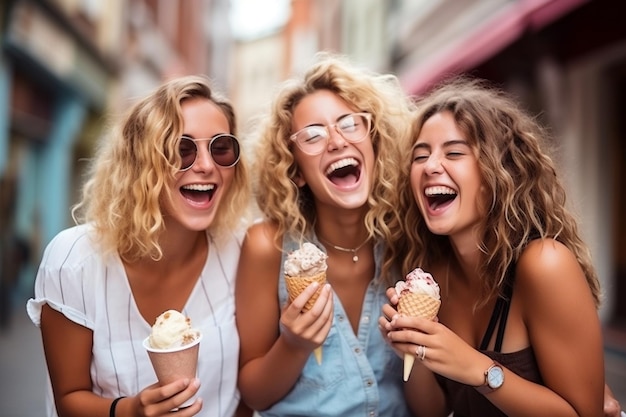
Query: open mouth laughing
point(346, 171)
point(198, 193)
point(439, 196)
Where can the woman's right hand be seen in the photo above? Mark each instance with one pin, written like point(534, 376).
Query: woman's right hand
point(307, 330)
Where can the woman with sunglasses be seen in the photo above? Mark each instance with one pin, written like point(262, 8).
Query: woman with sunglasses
point(325, 173)
point(161, 228)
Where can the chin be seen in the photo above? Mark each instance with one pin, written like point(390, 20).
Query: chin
point(438, 230)
point(351, 203)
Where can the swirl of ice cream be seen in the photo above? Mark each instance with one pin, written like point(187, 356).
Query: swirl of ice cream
point(307, 261)
point(172, 329)
point(419, 282)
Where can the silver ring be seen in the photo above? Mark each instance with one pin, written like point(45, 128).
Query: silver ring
point(421, 352)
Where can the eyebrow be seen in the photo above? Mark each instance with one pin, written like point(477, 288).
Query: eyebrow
point(324, 124)
point(424, 145)
point(188, 136)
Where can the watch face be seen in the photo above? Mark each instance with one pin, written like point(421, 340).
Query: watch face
point(495, 377)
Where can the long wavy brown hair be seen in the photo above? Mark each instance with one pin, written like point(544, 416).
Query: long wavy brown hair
point(526, 197)
point(293, 209)
point(135, 165)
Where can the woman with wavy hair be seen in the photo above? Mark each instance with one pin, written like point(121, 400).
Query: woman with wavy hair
point(326, 173)
point(160, 226)
point(518, 333)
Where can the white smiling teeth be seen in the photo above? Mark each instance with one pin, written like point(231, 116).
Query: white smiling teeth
point(199, 187)
point(341, 164)
point(438, 190)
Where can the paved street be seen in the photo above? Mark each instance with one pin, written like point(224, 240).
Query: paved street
point(22, 368)
point(23, 374)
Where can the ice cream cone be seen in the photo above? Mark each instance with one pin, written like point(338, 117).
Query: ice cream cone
point(416, 305)
point(318, 355)
point(295, 285)
point(409, 358)
point(175, 363)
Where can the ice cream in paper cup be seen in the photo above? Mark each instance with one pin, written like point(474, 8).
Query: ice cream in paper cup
point(173, 348)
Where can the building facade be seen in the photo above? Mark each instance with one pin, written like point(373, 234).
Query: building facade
point(66, 68)
point(565, 60)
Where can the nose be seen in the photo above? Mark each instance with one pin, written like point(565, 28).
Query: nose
point(335, 139)
point(204, 162)
point(433, 165)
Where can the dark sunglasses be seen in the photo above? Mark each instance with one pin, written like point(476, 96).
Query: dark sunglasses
point(224, 150)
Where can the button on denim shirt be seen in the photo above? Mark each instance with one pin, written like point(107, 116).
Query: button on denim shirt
point(360, 375)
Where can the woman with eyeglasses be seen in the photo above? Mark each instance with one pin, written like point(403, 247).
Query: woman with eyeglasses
point(326, 173)
point(161, 224)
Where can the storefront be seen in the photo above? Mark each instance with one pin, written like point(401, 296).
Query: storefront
point(566, 61)
point(53, 84)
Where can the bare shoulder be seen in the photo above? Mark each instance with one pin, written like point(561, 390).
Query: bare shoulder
point(261, 243)
point(547, 268)
point(546, 256)
point(256, 291)
point(260, 258)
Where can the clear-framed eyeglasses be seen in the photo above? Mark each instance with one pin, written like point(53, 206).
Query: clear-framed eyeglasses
point(353, 127)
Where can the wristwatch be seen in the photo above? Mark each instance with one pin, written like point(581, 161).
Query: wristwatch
point(494, 378)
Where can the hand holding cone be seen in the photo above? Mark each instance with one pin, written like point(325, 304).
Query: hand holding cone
point(416, 305)
point(418, 296)
point(295, 285)
point(302, 267)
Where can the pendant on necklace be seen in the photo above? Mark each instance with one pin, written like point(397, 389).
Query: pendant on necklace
point(355, 257)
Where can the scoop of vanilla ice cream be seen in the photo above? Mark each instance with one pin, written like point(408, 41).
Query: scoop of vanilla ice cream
point(418, 281)
point(172, 329)
point(307, 261)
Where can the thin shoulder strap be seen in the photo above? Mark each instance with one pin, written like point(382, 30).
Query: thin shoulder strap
point(508, 293)
point(500, 312)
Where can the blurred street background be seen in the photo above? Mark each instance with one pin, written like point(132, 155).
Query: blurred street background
point(68, 66)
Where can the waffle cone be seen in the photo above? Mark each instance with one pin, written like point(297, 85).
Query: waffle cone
point(418, 305)
point(295, 285)
point(409, 358)
point(318, 355)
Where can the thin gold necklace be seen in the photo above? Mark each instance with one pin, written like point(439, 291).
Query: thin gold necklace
point(355, 257)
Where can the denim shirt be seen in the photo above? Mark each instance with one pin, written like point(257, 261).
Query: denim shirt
point(360, 375)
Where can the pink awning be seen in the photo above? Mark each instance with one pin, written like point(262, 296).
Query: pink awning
point(486, 40)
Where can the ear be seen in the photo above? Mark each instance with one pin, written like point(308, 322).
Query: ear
point(298, 179)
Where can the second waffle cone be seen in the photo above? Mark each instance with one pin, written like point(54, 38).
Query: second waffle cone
point(416, 305)
point(295, 285)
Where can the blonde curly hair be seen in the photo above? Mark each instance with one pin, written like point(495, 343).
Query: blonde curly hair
point(277, 196)
point(131, 174)
point(527, 198)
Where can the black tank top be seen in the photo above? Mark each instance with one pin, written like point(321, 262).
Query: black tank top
point(463, 399)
